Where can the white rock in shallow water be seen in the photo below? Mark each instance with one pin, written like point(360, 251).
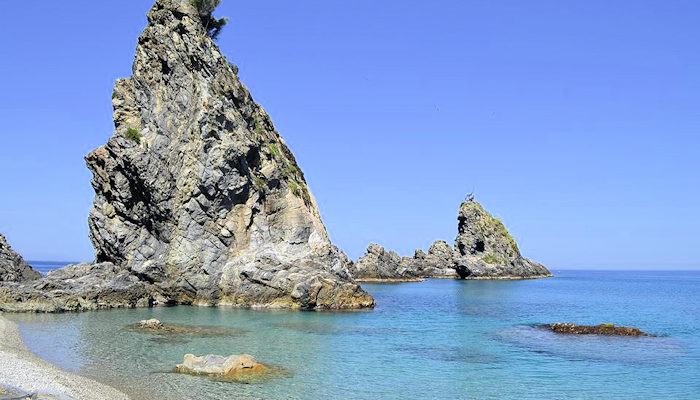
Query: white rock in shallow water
point(219, 365)
point(150, 324)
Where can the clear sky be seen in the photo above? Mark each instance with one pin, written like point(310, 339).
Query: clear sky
point(576, 122)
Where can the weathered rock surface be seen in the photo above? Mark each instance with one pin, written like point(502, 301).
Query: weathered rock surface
point(13, 268)
point(237, 367)
point(379, 264)
point(80, 287)
point(439, 262)
point(483, 250)
point(602, 329)
point(486, 249)
point(198, 200)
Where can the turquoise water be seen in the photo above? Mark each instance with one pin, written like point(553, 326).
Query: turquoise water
point(439, 339)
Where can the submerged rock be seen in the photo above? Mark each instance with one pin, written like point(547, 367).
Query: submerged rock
point(13, 268)
point(155, 326)
point(243, 367)
point(602, 329)
point(483, 250)
point(198, 200)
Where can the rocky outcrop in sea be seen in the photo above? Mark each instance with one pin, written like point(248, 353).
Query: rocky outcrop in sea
point(198, 200)
point(13, 268)
point(486, 250)
point(483, 250)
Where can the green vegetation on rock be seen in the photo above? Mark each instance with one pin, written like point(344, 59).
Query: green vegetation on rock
point(491, 259)
point(273, 150)
point(205, 8)
point(134, 135)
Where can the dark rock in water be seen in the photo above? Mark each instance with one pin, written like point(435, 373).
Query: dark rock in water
point(198, 200)
point(602, 329)
point(487, 250)
point(483, 250)
point(13, 268)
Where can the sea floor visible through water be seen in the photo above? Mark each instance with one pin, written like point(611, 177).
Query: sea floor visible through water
point(438, 339)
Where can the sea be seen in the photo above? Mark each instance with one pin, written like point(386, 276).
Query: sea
point(438, 339)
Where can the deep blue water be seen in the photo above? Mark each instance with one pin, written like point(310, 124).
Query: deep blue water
point(440, 339)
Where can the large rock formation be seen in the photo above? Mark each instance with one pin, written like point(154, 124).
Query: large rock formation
point(79, 288)
point(483, 250)
point(381, 265)
point(13, 268)
point(198, 200)
point(487, 250)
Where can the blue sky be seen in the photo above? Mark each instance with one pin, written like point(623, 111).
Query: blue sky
point(576, 122)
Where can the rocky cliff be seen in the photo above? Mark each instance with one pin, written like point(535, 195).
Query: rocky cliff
point(13, 268)
point(483, 250)
point(198, 200)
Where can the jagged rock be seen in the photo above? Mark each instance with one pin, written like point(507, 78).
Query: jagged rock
point(13, 268)
point(439, 262)
point(379, 264)
point(231, 367)
point(80, 287)
point(483, 250)
point(602, 329)
point(198, 200)
point(486, 249)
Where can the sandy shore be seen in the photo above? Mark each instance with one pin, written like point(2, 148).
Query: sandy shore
point(21, 369)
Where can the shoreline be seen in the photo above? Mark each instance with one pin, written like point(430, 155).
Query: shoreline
point(24, 371)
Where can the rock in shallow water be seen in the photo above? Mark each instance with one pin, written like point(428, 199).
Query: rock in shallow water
point(150, 324)
point(602, 329)
point(236, 367)
point(198, 200)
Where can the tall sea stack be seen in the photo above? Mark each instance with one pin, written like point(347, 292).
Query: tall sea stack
point(198, 193)
point(198, 200)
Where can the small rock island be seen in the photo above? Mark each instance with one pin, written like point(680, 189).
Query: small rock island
point(484, 249)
